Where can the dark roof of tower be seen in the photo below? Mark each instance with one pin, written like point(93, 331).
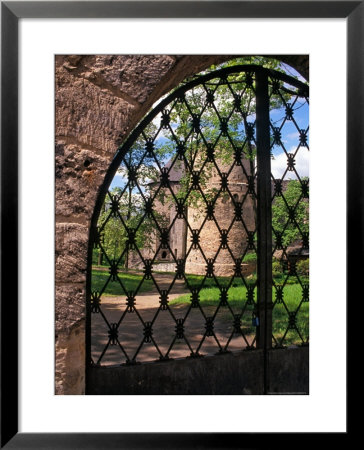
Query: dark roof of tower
point(177, 171)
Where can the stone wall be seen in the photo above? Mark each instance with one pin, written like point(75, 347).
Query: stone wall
point(70, 360)
point(99, 100)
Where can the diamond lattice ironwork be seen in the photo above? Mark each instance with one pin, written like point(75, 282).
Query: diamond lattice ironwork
point(175, 248)
point(290, 194)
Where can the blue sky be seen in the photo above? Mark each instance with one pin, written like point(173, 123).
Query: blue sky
point(290, 140)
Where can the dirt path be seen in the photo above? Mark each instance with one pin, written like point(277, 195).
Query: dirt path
point(149, 299)
point(130, 331)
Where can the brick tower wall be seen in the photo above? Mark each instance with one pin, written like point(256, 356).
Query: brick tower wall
point(224, 211)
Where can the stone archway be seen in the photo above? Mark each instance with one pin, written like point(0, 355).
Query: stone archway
point(99, 100)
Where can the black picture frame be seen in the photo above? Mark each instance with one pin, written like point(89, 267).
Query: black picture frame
point(11, 12)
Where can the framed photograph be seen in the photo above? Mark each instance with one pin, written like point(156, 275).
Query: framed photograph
point(63, 54)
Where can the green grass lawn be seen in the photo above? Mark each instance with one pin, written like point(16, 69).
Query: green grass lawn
point(280, 318)
point(129, 280)
point(196, 280)
point(209, 297)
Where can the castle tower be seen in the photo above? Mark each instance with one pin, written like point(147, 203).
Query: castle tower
point(227, 230)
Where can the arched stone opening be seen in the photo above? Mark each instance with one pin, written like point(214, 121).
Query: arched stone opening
point(99, 100)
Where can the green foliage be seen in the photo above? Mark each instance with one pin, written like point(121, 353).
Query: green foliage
point(276, 269)
point(210, 126)
point(280, 272)
point(130, 215)
point(303, 267)
point(292, 198)
point(250, 257)
point(96, 260)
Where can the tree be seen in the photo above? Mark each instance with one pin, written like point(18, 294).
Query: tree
point(290, 212)
point(224, 125)
point(124, 207)
point(122, 225)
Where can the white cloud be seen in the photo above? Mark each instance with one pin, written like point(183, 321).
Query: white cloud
point(279, 164)
point(294, 135)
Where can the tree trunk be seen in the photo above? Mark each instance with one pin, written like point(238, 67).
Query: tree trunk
point(100, 258)
point(126, 264)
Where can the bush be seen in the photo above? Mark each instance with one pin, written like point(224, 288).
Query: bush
point(250, 257)
point(303, 267)
point(276, 269)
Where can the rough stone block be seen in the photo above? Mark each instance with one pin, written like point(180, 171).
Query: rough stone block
point(79, 174)
point(70, 306)
point(70, 361)
point(88, 113)
point(134, 75)
point(71, 253)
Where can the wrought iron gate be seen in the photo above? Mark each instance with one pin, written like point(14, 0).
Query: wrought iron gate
point(192, 220)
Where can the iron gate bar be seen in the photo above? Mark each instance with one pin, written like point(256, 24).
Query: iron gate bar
point(289, 266)
point(263, 336)
point(264, 331)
